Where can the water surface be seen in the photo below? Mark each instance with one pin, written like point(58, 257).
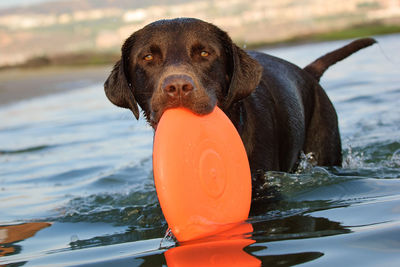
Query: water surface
point(76, 184)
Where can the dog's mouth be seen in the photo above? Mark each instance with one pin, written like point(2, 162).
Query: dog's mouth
point(197, 108)
point(181, 89)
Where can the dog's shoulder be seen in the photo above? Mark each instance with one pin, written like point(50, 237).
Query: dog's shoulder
point(281, 73)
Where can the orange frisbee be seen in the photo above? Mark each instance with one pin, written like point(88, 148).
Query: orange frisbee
point(201, 173)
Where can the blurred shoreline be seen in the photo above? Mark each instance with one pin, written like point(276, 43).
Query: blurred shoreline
point(19, 84)
point(90, 58)
point(47, 75)
point(43, 33)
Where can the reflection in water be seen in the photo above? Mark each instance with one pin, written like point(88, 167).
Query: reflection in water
point(14, 233)
point(290, 228)
point(225, 249)
point(232, 248)
point(297, 227)
point(214, 253)
point(289, 259)
point(236, 246)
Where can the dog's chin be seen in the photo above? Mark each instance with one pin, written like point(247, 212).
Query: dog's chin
point(199, 109)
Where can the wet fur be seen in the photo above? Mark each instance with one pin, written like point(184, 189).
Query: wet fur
point(278, 108)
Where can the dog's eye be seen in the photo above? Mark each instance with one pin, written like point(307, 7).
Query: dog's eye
point(148, 57)
point(204, 54)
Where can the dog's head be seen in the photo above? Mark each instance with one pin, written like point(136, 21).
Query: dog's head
point(180, 62)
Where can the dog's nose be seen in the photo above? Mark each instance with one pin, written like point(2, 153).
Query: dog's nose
point(178, 85)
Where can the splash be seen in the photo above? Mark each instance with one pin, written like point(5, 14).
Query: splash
point(289, 184)
point(307, 163)
point(380, 160)
point(169, 240)
point(395, 159)
point(306, 173)
point(353, 160)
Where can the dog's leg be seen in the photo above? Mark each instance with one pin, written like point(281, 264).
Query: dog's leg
point(323, 138)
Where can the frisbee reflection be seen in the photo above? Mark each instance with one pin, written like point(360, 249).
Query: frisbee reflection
point(12, 234)
point(224, 249)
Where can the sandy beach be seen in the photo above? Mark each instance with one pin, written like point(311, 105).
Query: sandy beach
point(21, 84)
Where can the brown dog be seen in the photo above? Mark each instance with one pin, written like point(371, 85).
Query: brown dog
point(278, 108)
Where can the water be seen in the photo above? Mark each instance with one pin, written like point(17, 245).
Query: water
point(76, 184)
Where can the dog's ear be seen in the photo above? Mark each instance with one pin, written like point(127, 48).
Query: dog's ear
point(118, 87)
point(246, 75)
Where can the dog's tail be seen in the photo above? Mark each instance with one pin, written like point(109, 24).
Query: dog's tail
point(319, 66)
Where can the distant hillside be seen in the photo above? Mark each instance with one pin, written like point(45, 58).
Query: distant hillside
point(53, 29)
point(69, 6)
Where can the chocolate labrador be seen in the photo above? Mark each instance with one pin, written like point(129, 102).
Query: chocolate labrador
point(279, 109)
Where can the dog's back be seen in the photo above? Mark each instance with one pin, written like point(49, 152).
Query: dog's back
point(289, 112)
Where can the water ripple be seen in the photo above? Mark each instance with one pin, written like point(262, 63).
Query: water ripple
point(25, 150)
